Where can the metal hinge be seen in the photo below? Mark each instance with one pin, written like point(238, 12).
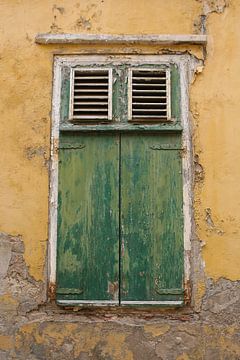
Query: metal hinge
point(66, 291)
point(72, 146)
point(169, 291)
point(165, 147)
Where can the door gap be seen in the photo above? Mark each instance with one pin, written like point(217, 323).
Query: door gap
point(120, 225)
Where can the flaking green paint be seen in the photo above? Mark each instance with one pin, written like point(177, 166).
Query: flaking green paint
point(175, 93)
point(151, 218)
point(88, 216)
point(65, 94)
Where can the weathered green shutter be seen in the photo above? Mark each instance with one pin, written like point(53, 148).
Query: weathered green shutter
point(151, 219)
point(88, 214)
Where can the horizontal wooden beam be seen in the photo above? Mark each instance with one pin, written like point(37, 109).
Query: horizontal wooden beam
point(100, 39)
point(122, 127)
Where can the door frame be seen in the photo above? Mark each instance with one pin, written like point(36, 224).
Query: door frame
point(186, 65)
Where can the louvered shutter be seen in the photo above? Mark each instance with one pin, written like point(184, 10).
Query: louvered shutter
point(149, 95)
point(91, 95)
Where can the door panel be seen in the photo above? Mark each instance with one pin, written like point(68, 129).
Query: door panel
point(88, 218)
point(149, 182)
point(151, 218)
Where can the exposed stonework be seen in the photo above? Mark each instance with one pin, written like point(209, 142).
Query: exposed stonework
point(93, 340)
point(30, 330)
point(221, 302)
point(19, 292)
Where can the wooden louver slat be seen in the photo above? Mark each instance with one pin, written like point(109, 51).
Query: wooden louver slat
point(149, 95)
point(91, 94)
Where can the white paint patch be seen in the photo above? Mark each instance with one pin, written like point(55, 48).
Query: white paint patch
point(56, 100)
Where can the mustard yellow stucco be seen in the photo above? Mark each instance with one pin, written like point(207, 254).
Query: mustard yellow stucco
point(215, 101)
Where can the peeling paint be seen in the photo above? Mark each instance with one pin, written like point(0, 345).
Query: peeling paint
point(156, 330)
point(217, 6)
point(211, 224)
point(83, 23)
point(199, 172)
point(113, 289)
point(6, 342)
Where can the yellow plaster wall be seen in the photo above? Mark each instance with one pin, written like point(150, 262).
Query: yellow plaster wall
point(25, 93)
point(215, 100)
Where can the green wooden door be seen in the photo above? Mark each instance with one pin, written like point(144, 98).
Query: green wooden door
point(151, 219)
point(88, 218)
point(132, 178)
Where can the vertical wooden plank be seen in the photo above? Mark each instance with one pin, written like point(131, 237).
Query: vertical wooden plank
point(65, 94)
point(88, 218)
point(120, 93)
point(175, 93)
point(151, 218)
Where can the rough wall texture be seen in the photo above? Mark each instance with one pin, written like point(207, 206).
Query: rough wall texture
point(30, 326)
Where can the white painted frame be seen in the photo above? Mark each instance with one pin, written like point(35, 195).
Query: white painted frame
point(186, 67)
